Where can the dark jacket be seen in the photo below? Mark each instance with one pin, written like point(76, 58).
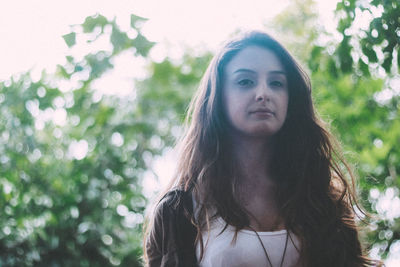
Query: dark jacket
point(171, 239)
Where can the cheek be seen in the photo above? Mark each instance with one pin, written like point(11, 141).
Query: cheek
point(228, 109)
point(232, 107)
point(283, 105)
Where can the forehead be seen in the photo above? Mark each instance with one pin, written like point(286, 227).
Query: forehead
point(254, 58)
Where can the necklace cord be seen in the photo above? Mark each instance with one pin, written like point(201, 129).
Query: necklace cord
point(265, 250)
point(294, 244)
point(284, 251)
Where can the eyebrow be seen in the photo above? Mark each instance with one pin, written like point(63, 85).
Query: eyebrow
point(252, 71)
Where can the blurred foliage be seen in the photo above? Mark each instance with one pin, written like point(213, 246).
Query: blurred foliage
point(361, 110)
point(368, 114)
point(298, 28)
point(166, 94)
point(376, 46)
point(73, 160)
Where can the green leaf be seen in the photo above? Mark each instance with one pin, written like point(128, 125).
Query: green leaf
point(369, 52)
point(332, 69)
point(70, 39)
point(142, 45)
point(344, 24)
point(63, 72)
point(344, 53)
point(99, 63)
point(70, 59)
point(376, 23)
point(94, 21)
point(119, 39)
point(135, 19)
point(78, 68)
point(398, 56)
point(364, 68)
point(387, 63)
point(314, 61)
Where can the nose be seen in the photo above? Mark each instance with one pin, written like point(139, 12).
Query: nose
point(263, 93)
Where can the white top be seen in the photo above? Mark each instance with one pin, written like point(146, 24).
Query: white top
point(247, 250)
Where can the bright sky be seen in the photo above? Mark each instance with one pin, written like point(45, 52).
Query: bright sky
point(31, 31)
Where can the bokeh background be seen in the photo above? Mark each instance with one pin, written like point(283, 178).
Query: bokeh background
point(93, 95)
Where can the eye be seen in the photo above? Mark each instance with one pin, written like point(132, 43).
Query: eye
point(276, 84)
point(245, 82)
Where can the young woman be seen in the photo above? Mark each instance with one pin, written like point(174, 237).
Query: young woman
point(259, 180)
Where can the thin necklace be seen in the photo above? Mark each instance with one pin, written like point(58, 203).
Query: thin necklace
point(265, 250)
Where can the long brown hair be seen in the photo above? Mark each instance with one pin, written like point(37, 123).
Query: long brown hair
point(315, 185)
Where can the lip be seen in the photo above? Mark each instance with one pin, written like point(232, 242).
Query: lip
point(262, 111)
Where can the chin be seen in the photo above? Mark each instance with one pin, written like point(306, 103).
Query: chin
point(255, 131)
point(261, 133)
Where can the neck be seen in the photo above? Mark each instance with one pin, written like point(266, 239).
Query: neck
point(256, 188)
point(253, 156)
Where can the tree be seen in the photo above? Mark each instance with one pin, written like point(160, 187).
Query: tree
point(373, 51)
point(358, 102)
point(374, 46)
point(72, 161)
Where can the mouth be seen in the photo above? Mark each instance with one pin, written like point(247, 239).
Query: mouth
point(263, 111)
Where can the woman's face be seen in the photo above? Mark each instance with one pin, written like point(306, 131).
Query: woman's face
point(255, 92)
